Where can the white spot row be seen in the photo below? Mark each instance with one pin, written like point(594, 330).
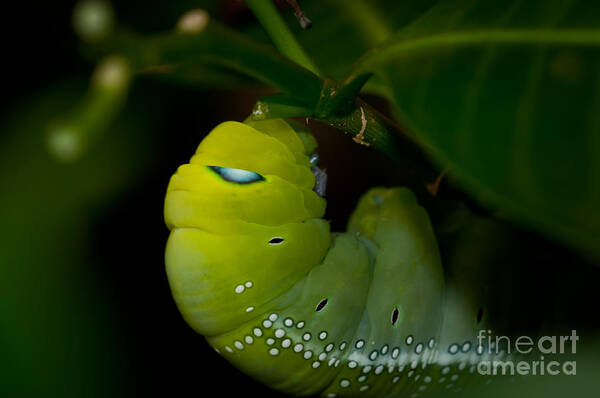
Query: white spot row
point(239, 289)
point(298, 348)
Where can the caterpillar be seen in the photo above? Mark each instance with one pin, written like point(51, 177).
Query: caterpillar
point(254, 267)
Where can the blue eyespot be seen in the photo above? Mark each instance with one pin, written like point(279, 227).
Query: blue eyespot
point(237, 176)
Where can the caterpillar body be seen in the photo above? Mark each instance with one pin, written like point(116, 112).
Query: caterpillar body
point(254, 267)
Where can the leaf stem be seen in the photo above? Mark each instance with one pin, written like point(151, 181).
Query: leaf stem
point(68, 137)
point(269, 17)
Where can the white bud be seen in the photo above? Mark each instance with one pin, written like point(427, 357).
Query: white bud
point(193, 21)
point(64, 144)
point(112, 73)
point(93, 19)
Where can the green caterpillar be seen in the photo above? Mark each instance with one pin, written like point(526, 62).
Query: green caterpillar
point(254, 268)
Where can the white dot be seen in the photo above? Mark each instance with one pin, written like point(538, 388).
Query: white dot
point(344, 383)
point(410, 373)
point(427, 379)
point(274, 351)
point(288, 322)
point(239, 289)
point(331, 395)
point(395, 352)
point(352, 364)
point(453, 349)
point(373, 355)
point(249, 284)
point(228, 349)
point(419, 348)
point(466, 347)
point(329, 347)
point(422, 388)
point(248, 339)
point(273, 317)
point(331, 362)
point(279, 333)
point(323, 335)
point(384, 349)
point(286, 343)
point(442, 379)
point(379, 369)
point(249, 309)
point(367, 369)
point(409, 340)
point(322, 356)
point(238, 345)
point(364, 388)
point(462, 366)
point(362, 378)
point(308, 354)
point(445, 370)
point(414, 364)
point(454, 377)
point(343, 346)
point(360, 343)
point(270, 341)
point(431, 343)
point(337, 363)
point(257, 332)
point(267, 323)
point(395, 379)
point(391, 368)
point(316, 364)
point(306, 336)
point(300, 325)
point(298, 347)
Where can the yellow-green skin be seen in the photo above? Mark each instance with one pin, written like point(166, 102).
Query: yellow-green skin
point(256, 302)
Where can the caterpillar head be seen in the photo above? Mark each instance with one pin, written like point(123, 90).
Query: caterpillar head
point(245, 222)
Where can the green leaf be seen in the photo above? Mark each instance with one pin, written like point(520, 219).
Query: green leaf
point(217, 50)
point(343, 30)
point(506, 95)
point(204, 77)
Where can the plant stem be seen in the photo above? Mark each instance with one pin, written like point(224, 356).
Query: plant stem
point(370, 128)
point(268, 15)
